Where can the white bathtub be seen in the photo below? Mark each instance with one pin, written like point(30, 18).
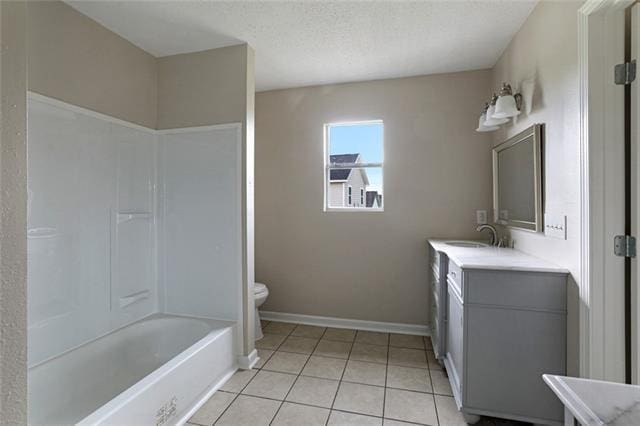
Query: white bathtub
point(152, 372)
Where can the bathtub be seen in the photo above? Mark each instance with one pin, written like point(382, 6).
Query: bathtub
point(155, 371)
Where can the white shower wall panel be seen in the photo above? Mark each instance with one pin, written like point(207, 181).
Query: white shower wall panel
point(84, 171)
point(200, 221)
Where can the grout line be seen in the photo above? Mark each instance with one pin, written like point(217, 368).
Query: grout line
point(234, 399)
point(341, 377)
point(386, 372)
point(340, 381)
point(247, 384)
point(298, 375)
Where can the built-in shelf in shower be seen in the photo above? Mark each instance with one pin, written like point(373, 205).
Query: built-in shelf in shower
point(127, 216)
point(133, 298)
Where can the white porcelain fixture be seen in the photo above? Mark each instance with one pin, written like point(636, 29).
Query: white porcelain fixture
point(507, 103)
point(125, 225)
point(490, 120)
point(127, 376)
point(468, 244)
point(261, 292)
point(482, 127)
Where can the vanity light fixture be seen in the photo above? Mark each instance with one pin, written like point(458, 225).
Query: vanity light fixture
point(508, 105)
point(491, 120)
point(482, 127)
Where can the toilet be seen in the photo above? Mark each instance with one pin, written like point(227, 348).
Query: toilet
point(260, 292)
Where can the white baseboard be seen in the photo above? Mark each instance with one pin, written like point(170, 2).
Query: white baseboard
point(387, 327)
point(247, 362)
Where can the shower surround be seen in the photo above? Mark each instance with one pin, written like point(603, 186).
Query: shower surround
point(135, 265)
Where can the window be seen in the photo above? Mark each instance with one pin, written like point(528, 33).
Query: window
point(354, 158)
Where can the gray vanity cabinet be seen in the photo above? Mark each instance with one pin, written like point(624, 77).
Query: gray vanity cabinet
point(505, 329)
point(438, 295)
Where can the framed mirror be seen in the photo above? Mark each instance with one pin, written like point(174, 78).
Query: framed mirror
point(517, 180)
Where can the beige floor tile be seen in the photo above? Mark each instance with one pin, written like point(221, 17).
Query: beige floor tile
point(264, 355)
point(363, 399)
point(369, 353)
point(270, 341)
point(372, 338)
point(448, 413)
point(238, 381)
point(279, 328)
point(440, 383)
point(313, 391)
point(326, 368)
point(410, 407)
point(407, 357)
point(211, 410)
point(311, 331)
point(339, 418)
point(248, 410)
point(302, 345)
point(269, 384)
point(433, 362)
point(406, 341)
point(427, 343)
point(367, 373)
point(333, 349)
point(297, 415)
point(389, 422)
point(340, 334)
point(409, 378)
point(286, 362)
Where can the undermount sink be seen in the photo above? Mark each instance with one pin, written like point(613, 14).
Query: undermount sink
point(468, 244)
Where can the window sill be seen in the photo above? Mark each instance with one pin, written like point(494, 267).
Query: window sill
point(353, 209)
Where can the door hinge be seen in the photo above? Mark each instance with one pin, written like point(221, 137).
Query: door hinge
point(625, 73)
point(624, 245)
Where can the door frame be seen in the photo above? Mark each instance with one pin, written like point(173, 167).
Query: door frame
point(600, 47)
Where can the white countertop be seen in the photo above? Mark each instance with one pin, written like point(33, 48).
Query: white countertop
point(494, 258)
point(594, 402)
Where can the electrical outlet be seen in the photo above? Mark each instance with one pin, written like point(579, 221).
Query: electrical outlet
point(481, 217)
point(555, 226)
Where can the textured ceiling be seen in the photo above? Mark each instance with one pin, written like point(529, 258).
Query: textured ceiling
point(316, 42)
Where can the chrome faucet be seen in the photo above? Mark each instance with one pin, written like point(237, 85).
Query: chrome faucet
point(494, 233)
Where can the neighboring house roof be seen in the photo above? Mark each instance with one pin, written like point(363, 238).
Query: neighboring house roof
point(342, 174)
point(373, 196)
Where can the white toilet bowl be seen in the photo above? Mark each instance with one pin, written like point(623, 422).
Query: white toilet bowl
point(260, 292)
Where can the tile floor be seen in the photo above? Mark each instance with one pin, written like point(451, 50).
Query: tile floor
point(324, 376)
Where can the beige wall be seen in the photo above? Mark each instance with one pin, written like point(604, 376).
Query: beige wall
point(191, 94)
point(13, 214)
point(367, 265)
point(76, 60)
point(546, 48)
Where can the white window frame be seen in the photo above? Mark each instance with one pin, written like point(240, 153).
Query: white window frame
point(349, 195)
point(362, 203)
point(328, 168)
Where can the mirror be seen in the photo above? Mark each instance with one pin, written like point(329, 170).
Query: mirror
point(517, 180)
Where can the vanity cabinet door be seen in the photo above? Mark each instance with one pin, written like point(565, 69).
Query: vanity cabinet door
point(454, 339)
